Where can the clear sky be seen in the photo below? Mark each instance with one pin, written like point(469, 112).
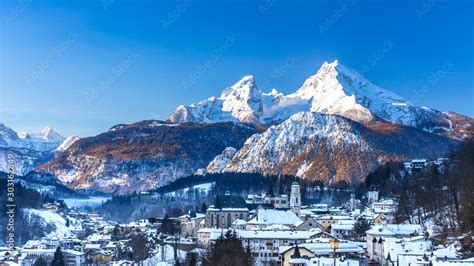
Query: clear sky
point(83, 66)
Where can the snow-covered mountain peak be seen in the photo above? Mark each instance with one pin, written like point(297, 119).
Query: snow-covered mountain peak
point(244, 88)
point(334, 89)
point(243, 100)
point(23, 135)
point(337, 89)
point(48, 133)
point(245, 82)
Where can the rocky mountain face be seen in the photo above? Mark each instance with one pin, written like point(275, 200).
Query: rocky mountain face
point(332, 148)
point(28, 150)
point(337, 126)
point(334, 89)
point(143, 155)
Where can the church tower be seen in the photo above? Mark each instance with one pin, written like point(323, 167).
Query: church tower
point(295, 198)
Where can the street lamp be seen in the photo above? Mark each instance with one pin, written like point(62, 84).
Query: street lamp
point(334, 245)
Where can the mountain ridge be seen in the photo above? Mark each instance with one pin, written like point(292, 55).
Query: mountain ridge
point(334, 89)
point(143, 155)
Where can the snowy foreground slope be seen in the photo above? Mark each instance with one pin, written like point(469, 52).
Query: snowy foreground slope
point(334, 89)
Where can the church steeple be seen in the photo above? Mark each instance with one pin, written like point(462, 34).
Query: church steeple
point(295, 198)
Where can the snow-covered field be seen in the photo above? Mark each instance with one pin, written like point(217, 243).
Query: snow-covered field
point(52, 221)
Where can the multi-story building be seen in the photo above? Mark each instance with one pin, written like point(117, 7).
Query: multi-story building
point(208, 236)
point(320, 248)
point(377, 237)
point(277, 201)
point(264, 244)
point(328, 220)
point(190, 223)
point(343, 230)
point(387, 206)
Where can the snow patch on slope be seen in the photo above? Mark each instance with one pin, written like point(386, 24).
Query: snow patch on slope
point(67, 143)
point(220, 161)
point(53, 223)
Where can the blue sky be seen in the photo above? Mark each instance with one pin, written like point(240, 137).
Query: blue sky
point(83, 66)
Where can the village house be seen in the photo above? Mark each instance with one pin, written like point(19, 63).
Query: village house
point(277, 201)
point(267, 217)
point(387, 206)
point(378, 219)
point(328, 220)
point(71, 257)
point(378, 236)
point(239, 225)
point(190, 223)
point(343, 230)
point(208, 236)
point(307, 224)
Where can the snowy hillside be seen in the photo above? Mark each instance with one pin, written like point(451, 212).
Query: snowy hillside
point(331, 148)
point(51, 223)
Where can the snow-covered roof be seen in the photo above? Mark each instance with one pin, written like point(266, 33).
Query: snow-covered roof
point(239, 222)
point(346, 227)
point(196, 216)
point(385, 202)
point(334, 217)
point(73, 252)
point(277, 227)
point(272, 216)
point(299, 261)
point(450, 252)
point(419, 160)
point(268, 234)
point(235, 209)
point(165, 256)
point(395, 229)
point(92, 246)
point(306, 212)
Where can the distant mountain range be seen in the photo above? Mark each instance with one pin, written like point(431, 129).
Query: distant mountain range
point(29, 149)
point(337, 127)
